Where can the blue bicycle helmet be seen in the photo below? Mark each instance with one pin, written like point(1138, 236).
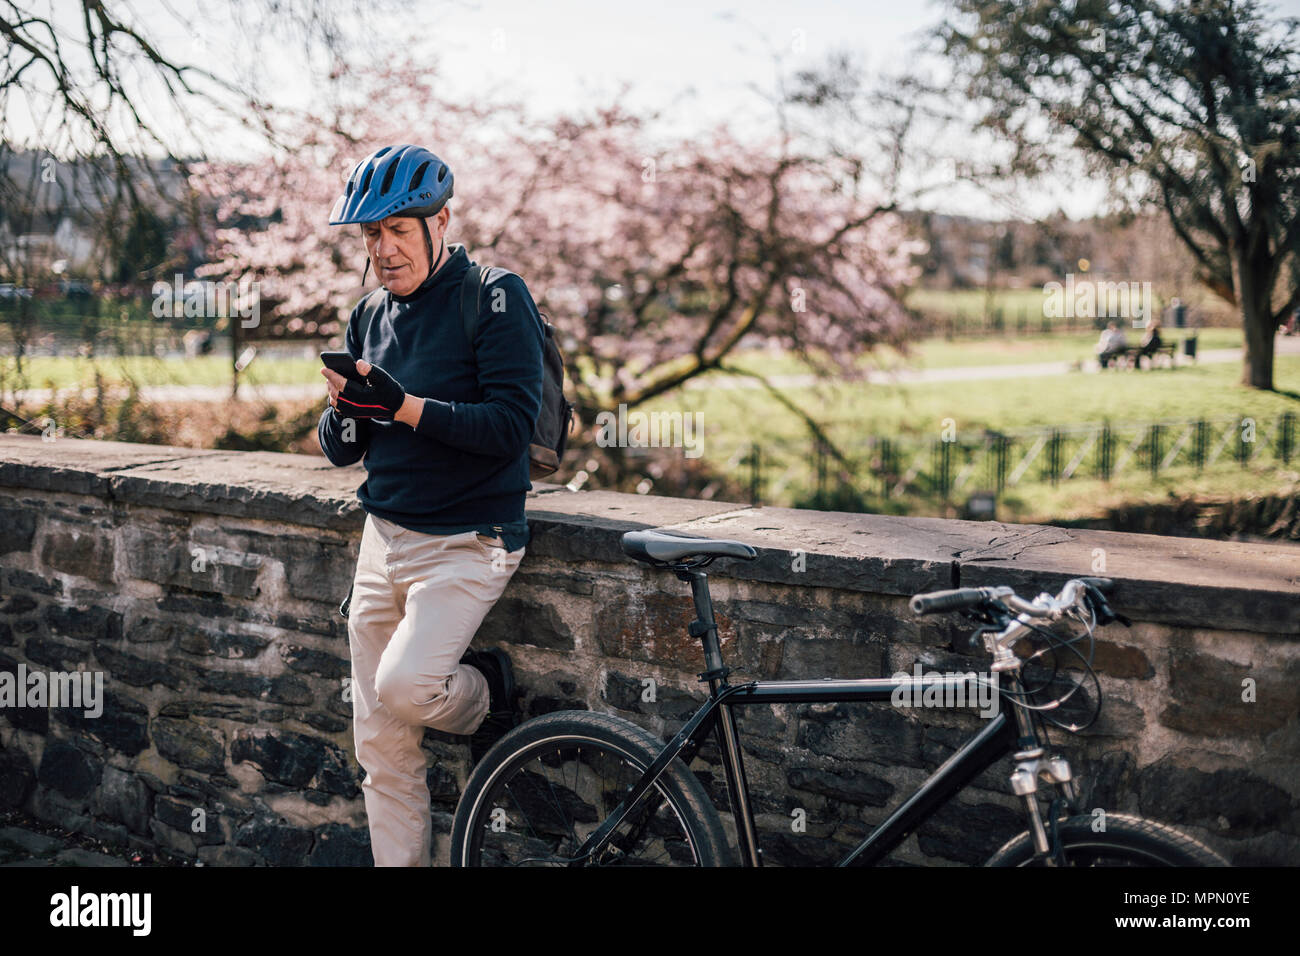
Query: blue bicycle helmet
point(401, 180)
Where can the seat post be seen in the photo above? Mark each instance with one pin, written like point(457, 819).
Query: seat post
point(715, 673)
point(703, 626)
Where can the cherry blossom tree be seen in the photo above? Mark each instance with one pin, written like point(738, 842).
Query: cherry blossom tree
point(655, 259)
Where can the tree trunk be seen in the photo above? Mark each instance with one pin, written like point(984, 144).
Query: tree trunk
point(23, 328)
point(1257, 363)
point(234, 355)
point(1255, 296)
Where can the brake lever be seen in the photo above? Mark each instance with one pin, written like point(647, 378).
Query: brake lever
point(1105, 615)
point(992, 615)
point(986, 612)
point(975, 640)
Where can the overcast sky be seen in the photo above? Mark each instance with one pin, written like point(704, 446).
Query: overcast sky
point(700, 56)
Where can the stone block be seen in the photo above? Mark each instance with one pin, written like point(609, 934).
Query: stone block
point(123, 797)
point(295, 760)
point(83, 550)
point(17, 528)
point(188, 744)
point(1208, 695)
point(339, 845)
point(69, 770)
point(278, 844)
point(122, 727)
point(84, 624)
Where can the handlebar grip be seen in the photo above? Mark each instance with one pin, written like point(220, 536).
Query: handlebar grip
point(1104, 585)
point(938, 601)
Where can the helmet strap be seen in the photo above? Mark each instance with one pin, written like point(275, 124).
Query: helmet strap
point(428, 246)
point(366, 271)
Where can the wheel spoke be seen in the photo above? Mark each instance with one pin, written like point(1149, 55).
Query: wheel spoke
point(555, 816)
point(560, 810)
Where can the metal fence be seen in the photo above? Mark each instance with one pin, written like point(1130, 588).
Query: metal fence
point(954, 465)
point(65, 327)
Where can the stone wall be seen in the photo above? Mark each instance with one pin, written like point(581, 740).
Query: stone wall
point(204, 586)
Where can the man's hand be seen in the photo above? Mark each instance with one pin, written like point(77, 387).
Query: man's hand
point(353, 400)
point(380, 397)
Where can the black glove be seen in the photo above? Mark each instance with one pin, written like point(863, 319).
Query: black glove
point(379, 398)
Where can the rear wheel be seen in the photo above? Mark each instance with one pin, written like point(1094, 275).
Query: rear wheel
point(1125, 841)
point(550, 782)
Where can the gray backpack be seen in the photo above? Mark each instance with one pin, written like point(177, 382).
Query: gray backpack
point(555, 418)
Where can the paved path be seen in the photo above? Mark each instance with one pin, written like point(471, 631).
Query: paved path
point(972, 373)
point(219, 393)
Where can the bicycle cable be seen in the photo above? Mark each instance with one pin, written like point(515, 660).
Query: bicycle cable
point(1025, 698)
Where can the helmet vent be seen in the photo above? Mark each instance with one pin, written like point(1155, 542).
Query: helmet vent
point(365, 183)
point(388, 180)
point(419, 175)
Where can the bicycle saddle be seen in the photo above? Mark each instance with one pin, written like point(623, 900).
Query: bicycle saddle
point(659, 546)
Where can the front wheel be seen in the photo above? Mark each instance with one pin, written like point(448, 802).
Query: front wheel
point(547, 785)
point(1123, 840)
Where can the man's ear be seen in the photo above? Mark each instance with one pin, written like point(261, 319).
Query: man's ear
point(442, 218)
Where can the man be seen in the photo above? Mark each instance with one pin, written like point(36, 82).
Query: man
point(444, 427)
point(1112, 343)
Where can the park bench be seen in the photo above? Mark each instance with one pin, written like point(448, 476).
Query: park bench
point(1133, 354)
point(1130, 356)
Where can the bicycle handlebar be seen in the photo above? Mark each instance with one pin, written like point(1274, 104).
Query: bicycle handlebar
point(936, 602)
point(1045, 605)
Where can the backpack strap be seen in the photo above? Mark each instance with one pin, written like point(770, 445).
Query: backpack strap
point(471, 295)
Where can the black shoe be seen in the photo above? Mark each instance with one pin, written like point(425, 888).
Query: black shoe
point(502, 713)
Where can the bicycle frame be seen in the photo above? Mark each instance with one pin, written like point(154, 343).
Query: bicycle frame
point(1009, 730)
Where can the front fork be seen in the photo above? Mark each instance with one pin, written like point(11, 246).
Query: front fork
point(1031, 767)
point(1035, 764)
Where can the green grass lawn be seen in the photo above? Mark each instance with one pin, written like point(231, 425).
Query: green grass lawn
point(997, 350)
point(973, 301)
point(730, 419)
point(929, 353)
point(145, 370)
point(1012, 302)
point(859, 409)
point(1210, 391)
point(1012, 350)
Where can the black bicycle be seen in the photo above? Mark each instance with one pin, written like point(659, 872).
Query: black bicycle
point(576, 788)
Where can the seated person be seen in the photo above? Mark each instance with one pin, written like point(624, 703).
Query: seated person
point(1151, 342)
point(1112, 343)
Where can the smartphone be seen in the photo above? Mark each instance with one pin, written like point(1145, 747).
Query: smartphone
point(343, 363)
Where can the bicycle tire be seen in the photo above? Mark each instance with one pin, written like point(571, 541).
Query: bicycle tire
point(1130, 840)
point(599, 733)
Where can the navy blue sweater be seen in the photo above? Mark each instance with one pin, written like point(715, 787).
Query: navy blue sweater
point(465, 465)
